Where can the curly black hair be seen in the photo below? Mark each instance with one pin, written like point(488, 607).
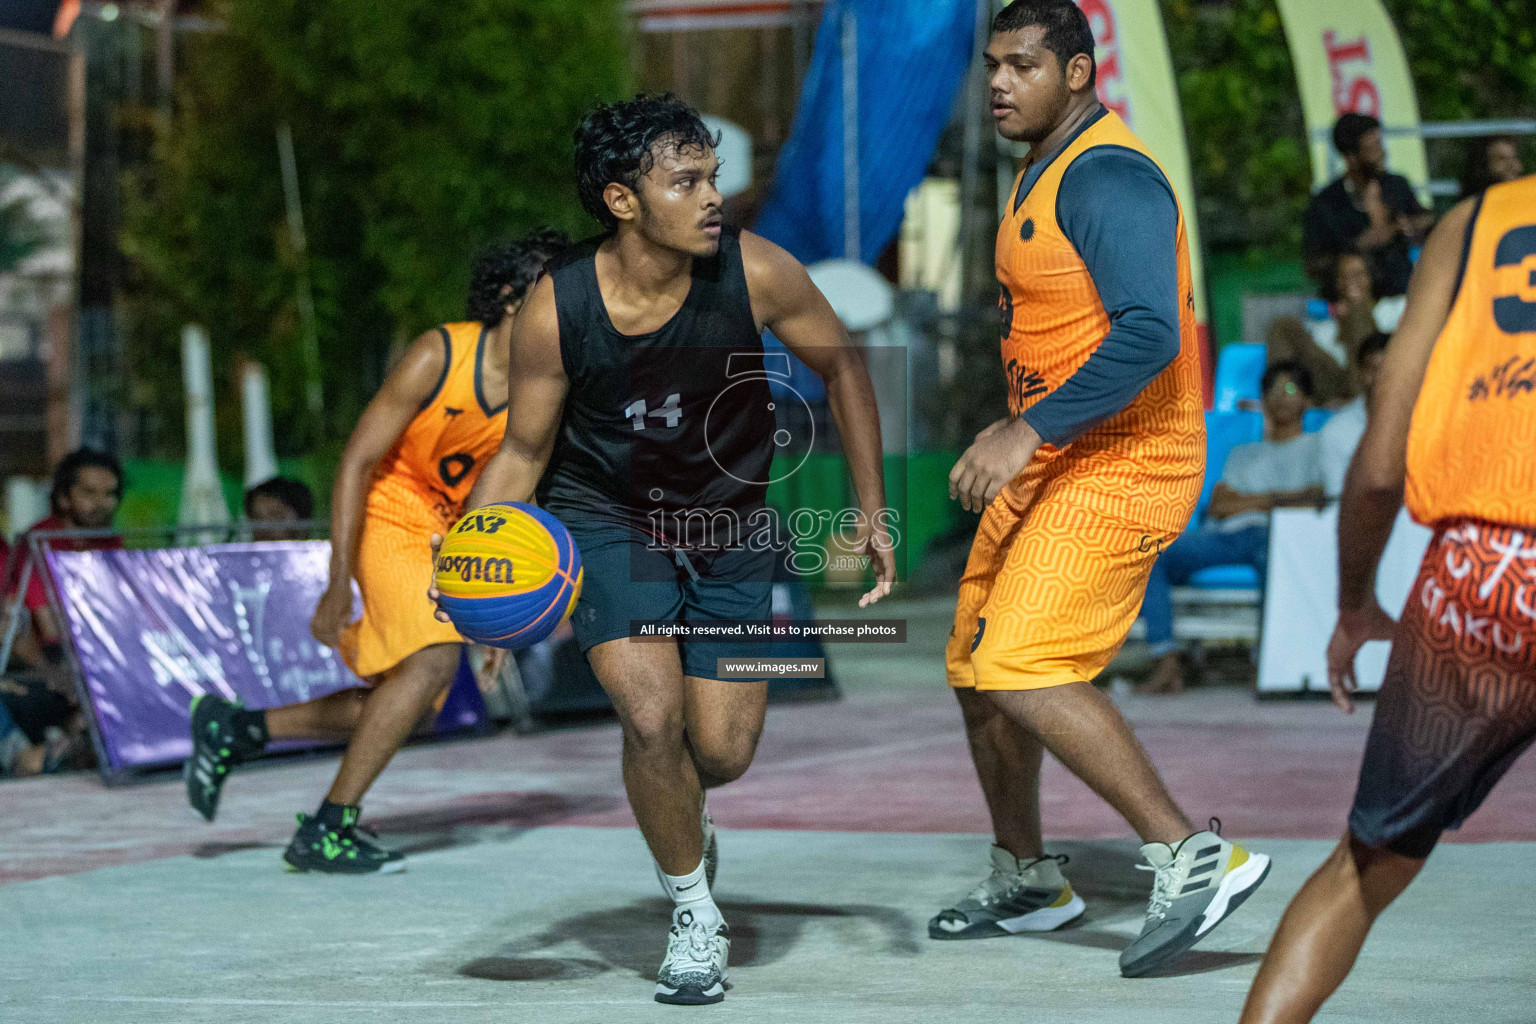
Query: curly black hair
point(293, 493)
point(618, 142)
point(504, 272)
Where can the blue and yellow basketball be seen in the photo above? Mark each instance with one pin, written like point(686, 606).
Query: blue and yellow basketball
point(508, 574)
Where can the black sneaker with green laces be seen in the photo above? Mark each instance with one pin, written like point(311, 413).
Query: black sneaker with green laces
point(224, 734)
point(340, 849)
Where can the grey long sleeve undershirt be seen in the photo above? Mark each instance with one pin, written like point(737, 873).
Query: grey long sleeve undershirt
point(1118, 210)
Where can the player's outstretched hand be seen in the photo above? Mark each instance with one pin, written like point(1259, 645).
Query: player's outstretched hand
point(1355, 628)
point(432, 592)
point(999, 453)
point(882, 555)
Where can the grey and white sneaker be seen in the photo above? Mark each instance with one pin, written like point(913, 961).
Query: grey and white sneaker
point(1018, 896)
point(693, 973)
point(1195, 886)
point(711, 847)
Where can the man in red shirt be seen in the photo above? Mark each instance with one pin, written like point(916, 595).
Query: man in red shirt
point(87, 486)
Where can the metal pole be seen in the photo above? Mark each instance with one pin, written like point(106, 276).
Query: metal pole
point(800, 30)
point(74, 396)
point(970, 172)
point(165, 58)
point(852, 248)
point(311, 340)
point(16, 609)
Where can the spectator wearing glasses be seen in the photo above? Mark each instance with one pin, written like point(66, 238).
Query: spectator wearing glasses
point(1283, 471)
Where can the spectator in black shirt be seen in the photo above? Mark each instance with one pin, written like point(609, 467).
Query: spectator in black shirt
point(1369, 211)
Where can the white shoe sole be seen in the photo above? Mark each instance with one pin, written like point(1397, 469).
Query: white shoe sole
point(1045, 919)
point(1245, 877)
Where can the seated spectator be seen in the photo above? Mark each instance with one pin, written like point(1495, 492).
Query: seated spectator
point(1369, 211)
point(1328, 349)
point(1283, 471)
point(33, 721)
point(1490, 161)
point(39, 690)
point(1341, 435)
point(19, 753)
point(87, 487)
point(279, 500)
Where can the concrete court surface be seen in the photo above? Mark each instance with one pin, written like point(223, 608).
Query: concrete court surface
point(530, 896)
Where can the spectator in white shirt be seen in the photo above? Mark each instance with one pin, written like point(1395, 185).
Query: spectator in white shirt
point(1283, 471)
point(1341, 435)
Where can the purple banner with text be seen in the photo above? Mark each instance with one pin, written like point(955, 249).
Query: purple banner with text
point(154, 628)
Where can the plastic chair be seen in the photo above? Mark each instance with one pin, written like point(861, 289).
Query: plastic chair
point(1226, 577)
point(1239, 374)
point(1224, 431)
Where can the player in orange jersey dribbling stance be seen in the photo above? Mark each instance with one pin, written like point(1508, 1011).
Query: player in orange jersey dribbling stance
point(1453, 430)
point(410, 463)
point(1097, 467)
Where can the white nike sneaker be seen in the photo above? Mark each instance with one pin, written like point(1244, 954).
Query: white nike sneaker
point(694, 972)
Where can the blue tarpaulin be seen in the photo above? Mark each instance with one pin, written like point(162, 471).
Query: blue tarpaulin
point(912, 55)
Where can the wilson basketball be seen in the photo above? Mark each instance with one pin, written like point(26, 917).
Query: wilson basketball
point(508, 574)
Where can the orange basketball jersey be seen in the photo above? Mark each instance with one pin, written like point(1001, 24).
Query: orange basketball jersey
point(1472, 445)
point(1144, 464)
point(442, 451)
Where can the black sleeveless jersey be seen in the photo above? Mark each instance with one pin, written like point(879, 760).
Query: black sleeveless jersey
point(659, 426)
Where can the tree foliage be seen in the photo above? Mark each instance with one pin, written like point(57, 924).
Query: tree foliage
point(1243, 120)
point(1470, 58)
point(421, 130)
point(1242, 111)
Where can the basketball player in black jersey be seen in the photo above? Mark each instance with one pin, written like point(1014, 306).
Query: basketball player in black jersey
point(635, 414)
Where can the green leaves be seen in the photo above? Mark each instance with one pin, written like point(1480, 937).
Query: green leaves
point(1243, 120)
point(1242, 112)
point(422, 130)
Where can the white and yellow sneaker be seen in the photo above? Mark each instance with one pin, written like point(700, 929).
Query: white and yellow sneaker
point(1195, 886)
point(1018, 896)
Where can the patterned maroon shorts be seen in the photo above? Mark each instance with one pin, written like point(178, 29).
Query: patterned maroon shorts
point(1458, 704)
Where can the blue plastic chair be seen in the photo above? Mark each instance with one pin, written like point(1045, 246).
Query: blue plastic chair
point(1224, 431)
point(1239, 374)
point(1313, 419)
point(1226, 577)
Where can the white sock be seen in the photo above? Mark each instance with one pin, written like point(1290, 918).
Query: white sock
point(691, 892)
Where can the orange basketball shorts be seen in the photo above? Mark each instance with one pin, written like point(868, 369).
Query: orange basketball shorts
point(1049, 593)
point(393, 570)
